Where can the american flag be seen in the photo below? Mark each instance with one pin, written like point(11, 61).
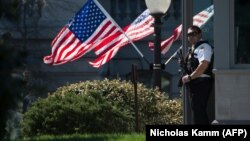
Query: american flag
point(200, 20)
point(75, 39)
point(138, 29)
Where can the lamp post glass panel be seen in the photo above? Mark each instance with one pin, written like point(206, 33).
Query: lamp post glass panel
point(157, 9)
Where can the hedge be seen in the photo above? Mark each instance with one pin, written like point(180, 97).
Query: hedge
point(97, 106)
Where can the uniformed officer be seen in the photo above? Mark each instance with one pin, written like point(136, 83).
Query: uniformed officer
point(199, 65)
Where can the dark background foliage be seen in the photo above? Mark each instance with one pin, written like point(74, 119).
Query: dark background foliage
point(11, 82)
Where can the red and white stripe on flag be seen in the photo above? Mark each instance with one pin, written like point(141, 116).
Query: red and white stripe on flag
point(200, 19)
point(88, 26)
point(107, 48)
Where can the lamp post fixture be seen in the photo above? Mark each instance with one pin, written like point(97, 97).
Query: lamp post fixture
point(157, 9)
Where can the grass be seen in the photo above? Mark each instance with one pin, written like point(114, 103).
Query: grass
point(90, 137)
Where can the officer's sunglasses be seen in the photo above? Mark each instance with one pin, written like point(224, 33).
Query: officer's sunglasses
point(192, 34)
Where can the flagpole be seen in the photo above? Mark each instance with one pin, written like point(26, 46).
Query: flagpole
point(173, 55)
point(107, 14)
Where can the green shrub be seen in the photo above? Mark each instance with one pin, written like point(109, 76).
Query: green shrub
point(99, 107)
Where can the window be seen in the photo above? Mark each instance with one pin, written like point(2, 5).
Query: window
point(242, 31)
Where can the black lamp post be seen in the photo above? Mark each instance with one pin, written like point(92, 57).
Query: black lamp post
point(157, 9)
